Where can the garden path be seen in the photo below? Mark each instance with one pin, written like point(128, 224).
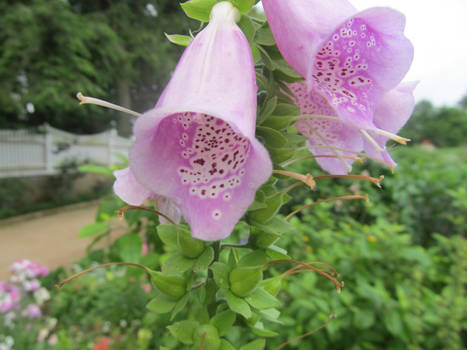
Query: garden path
point(50, 240)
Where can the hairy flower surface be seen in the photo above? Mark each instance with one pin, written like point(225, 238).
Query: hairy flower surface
point(331, 137)
point(197, 147)
point(351, 58)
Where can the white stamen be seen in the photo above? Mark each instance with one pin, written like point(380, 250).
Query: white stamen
point(95, 101)
point(338, 155)
point(397, 138)
point(371, 140)
point(316, 116)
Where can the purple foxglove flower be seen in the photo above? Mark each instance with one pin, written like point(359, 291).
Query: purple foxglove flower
point(391, 115)
point(332, 137)
point(197, 147)
point(131, 191)
point(352, 58)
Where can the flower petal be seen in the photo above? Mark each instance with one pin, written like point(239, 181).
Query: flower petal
point(300, 26)
point(325, 133)
point(208, 170)
point(391, 115)
point(128, 188)
point(168, 208)
point(360, 60)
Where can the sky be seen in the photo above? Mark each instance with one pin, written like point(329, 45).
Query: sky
point(438, 31)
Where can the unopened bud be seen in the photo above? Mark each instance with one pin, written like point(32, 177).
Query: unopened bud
point(171, 285)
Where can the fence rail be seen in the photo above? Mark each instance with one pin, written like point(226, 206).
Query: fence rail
point(42, 152)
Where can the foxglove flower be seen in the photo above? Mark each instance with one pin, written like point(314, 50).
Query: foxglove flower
point(133, 193)
point(197, 147)
point(351, 58)
point(335, 143)
point(391, 115)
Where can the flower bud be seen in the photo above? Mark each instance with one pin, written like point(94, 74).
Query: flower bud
point(171, 285)
point(243, 280)
point(189, 246)
point(211, 338)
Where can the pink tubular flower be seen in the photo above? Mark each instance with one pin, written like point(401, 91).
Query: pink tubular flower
point(335, 143)
point(351, 58)
point(197, 147)
point(132, 192)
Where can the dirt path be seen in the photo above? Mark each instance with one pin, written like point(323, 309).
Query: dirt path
point(50, 240)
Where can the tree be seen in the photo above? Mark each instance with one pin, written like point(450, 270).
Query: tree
point(115, 50)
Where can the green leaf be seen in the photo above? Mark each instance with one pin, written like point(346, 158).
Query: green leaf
point(364, 319)
point(221, 274)
point(179, 306)
point(178, 39)
point(204, 260)
point(254, 259)
point(257, 344)
point(223, 321)
point(272, 285)
point(95, 169)
point(271, 315)
point(130, 247)
point(198, 9)
point(225, 345)
point(273, 205)
point(183, 331)
point(280, 155)
point(286, 109)
point(393, 322)
point(277, 253)
point(271, 137)
point(261, 300)
point(286, 72)
point(248, 28)
point(268, 108)
point(238, 305)
point(278, 122)
point(259, 330)
point(264, 36)
point(93, 229)
point(178, 263)
point(243, 6)
point(161, 304)
point(168, 235)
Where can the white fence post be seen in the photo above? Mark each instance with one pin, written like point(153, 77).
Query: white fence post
point(28, 153)
point(48, 149)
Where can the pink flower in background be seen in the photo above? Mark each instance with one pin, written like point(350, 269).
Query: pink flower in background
point(32, 311)
point(331, 137)
point(197, 147)
point(9, 297)
point(53, 340)
point(352, 59)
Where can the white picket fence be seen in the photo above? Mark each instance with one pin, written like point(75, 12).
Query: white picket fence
point(34, 153)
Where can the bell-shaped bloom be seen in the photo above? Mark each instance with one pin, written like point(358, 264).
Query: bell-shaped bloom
point(132, 192)
point(351, 58)
point(391, 115)
point(334, 142)
point(197, 147)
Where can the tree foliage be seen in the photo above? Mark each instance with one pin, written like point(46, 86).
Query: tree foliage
point(444, 126)
point(110, 49)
